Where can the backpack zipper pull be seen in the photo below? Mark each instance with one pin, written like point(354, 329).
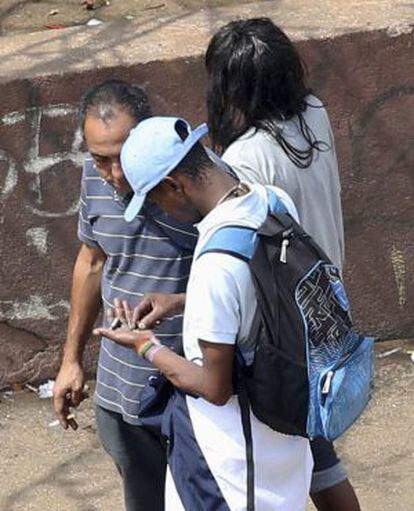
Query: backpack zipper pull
point(327, 383)
point(283, 250)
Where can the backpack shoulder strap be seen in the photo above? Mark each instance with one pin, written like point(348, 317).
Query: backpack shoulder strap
point(240, 242)
point(276, 206)
point(248, 438)
point(234, 240)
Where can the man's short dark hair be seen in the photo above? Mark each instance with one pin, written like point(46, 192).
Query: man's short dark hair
point(195, 162)
point(106, 98)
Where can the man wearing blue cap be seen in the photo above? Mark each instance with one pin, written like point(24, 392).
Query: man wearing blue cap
point(163, 152)
point(165, 163)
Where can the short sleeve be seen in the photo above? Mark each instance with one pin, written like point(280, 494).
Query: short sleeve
point(246, 162)
point(85, 231)
point(213, 307)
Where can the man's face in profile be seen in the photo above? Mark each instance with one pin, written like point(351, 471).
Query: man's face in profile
point(104, 140)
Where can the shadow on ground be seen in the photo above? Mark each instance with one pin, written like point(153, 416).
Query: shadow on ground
point(46, 469)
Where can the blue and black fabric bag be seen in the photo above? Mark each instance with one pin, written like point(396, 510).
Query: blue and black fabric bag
point(310, 374)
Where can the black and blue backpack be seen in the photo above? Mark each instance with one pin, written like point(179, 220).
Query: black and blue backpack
point(310, 374)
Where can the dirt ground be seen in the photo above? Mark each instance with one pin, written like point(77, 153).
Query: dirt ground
point(46, 469)
point(32, 15)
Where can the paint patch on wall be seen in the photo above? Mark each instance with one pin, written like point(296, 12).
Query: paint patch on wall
point(398, 265)
point(34, 163)
point(11, 177)
point(34, 308)
point(398, 29)
point(37, 237)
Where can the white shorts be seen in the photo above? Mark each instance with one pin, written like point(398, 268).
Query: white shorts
point(207, 460)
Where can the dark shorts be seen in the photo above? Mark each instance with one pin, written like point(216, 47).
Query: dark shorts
point(328, 469)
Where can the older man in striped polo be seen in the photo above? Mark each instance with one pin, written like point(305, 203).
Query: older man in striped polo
point(126, 261)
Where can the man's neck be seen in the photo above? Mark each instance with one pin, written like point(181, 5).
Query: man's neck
point(216, 185)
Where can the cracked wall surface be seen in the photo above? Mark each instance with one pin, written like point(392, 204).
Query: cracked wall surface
point(367, 83)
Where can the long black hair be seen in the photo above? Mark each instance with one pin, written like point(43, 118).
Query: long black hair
point(104, 99)
point(256, 78)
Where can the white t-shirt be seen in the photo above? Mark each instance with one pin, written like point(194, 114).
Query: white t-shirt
point(221, 302)
point(256, 157)
point(220, 305)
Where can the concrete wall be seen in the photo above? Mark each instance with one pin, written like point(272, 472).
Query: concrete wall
point(367, 83)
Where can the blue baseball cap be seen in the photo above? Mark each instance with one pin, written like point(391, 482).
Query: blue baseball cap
point(152, 150)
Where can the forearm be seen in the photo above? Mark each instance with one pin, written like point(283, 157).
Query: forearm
point(182, 373)
point(180, 302)
point(212, 380)
point(193, 379)
point(85, 304)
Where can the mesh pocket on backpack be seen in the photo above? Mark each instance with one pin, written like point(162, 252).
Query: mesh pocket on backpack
point(343, 391)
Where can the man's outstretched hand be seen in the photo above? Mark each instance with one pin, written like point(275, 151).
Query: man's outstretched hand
point(125, 337)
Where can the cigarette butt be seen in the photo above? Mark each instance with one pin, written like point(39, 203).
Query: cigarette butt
point(31, 388)
point(55, 423)
point(389, 352)
point(116, 323)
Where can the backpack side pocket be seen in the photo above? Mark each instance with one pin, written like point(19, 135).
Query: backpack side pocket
point(345, 389)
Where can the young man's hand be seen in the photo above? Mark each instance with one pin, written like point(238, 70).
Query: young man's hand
point(125, 337)
point(154, 307)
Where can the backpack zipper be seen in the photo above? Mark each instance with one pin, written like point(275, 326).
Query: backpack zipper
point(330, 374)
point(286, 235)
point(283, 250)
point(327, 383)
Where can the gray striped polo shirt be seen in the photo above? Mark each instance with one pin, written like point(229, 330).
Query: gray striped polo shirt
point(151, 254)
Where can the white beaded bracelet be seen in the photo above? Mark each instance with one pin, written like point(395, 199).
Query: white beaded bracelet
point(153, 351)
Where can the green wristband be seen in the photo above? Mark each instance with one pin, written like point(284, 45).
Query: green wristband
point(145, 348)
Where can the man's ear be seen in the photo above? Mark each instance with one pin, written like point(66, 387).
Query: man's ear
point(173, 184)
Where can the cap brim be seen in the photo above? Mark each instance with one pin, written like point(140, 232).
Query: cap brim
point(134, 207)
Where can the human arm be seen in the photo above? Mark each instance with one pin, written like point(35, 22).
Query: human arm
point(156, 306)
point(212, 324)
point(85, 306)
point(211, 381)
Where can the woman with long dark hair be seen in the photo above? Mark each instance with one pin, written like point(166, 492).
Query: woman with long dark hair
point(270, 128)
